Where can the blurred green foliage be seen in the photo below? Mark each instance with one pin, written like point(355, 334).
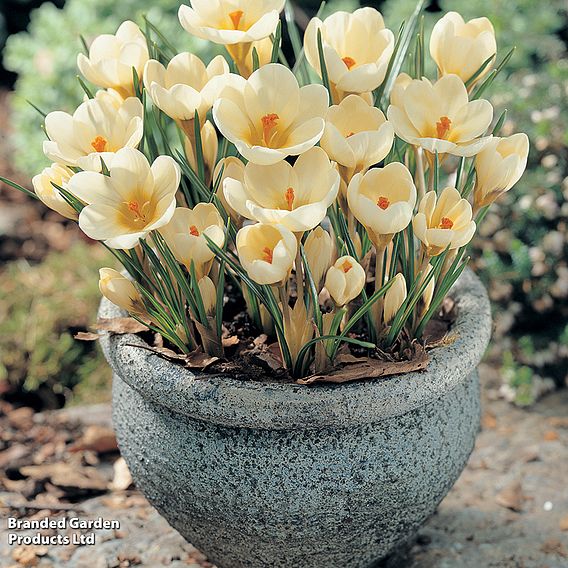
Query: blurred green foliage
point(45, 59)
point(41, 307)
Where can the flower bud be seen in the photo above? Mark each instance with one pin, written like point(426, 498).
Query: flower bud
point(120, 291)
point(319, 254)
point(208, 295)
point(50, 195)
point(394, 298)
point(345, 280)
point(428, 292)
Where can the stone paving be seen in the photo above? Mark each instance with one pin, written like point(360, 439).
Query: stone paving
point(509, 509)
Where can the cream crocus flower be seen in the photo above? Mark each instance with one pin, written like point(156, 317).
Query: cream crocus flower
point(133, 200)
point(97, 129)
point(267, 252)
point(394, 298)
point(231, 21)
point(210, 147)
point(439, 117)
point(121, 291)
point(319, 251)
point(498, 167)
point(229, 167)
point(295, 196)
point(234, 23)
point(383, 200)
point(443, 222)
point(185, 86)
point(269, 117)
point(185, 235)
point(357, 49)
point(460, 47)
point(356, 135)
point(112, 57)
point(345, 280)
point(50, 195)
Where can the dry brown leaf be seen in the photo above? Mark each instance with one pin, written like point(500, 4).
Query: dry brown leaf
point(99, 439)
point(564, 523)
point(122, 479)
point(488, 421)
point(511, 497)
point(199, 360)
point(86, 336)
point(551, 436)
point(120, 325)
point(230, 341)
point(358, 368)
point(67, 475)
point(558, 421)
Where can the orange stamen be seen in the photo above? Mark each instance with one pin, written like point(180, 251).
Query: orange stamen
point(383, 202)
point(350, 134)
point(290, 198)
point(346, 266)
point(443, 127)
point(134, 207)
point(269, 122)
point(349, 61)
point(193, 231)
point(268, 252)
point(236, 17)
point(99, 144)
point(446, 223)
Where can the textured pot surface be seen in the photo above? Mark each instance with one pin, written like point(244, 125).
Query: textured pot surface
point(278, 475)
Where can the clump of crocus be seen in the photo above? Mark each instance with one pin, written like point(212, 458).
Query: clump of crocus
point(331, 217)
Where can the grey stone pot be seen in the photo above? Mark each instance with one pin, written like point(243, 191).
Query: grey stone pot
point(271, 475)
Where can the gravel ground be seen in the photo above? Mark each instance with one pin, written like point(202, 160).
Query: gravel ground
point(509, 509)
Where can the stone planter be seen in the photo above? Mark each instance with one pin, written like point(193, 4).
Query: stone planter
point(266, 475)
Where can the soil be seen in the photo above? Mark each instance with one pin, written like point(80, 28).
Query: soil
point(509, 508)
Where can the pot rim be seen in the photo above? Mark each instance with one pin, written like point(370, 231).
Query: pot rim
point(288, 406)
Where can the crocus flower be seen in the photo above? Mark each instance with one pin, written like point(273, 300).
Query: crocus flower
point(345, 280)
point(439, 117)
point(234, 23)
point(443, 222)
point(120, 291)
point(50, 195)
point(499, 166)
point(394, 298)
point(357, 49)
point(185, 86)
point(208, 294)
point(383, 199)
point(185, 235)
point(356, 134)
point(133, 200)
point(294, 196)
point(97, 129)
point(112, 57)
point(269, 117)
point(267, 252)
point(461, 48)
point(231, 21)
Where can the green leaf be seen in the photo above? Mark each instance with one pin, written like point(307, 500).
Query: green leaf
point(481, 69)
point(255, 61)
point(276, 41)
point(323, 66)
point(88, 91)
point(19, 187)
